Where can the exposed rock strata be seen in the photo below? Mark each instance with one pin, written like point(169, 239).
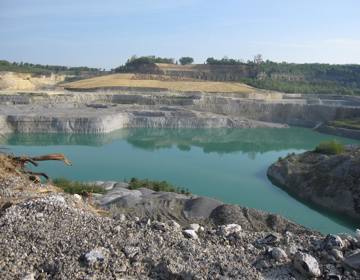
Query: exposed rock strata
point(331, 182)
point(106, 111)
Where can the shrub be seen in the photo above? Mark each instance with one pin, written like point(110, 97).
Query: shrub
point(330, 147)
point(158, 186)
point(74, 187)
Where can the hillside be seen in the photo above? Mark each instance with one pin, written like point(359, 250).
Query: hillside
point(12, 81)
point(159, 82)
point(312, 78)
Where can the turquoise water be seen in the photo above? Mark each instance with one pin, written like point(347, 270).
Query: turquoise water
point(227, 164)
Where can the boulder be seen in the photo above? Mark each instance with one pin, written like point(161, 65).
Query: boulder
point(230, 229)
point(306, 264)
point(332, 241)
point(195, 227)
point(190, 233)
point(278, 254)
point(353, 260)
point(200, 207)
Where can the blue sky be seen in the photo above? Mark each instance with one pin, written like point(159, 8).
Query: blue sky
point(105, 33)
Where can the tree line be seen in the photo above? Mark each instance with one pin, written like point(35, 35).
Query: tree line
point(40, 69)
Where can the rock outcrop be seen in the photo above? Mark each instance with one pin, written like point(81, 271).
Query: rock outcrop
point(331, 182)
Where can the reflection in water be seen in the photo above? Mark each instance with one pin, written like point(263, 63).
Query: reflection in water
point(251, 141)
point(227, 164)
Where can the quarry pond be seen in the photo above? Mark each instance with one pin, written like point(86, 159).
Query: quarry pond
point(226, 164)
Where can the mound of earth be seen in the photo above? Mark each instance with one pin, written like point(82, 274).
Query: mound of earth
point(328, 181)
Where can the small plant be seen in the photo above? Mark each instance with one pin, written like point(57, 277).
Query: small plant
point(158, 186)
point(332, 147)
point(74, 187)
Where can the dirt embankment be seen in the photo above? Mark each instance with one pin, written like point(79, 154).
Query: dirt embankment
point(23, 81)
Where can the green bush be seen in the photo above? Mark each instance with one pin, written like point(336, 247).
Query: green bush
point(74, 187)
point(330, 147)
point(158, 186)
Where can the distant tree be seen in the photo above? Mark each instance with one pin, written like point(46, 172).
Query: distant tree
point(258, 59)
point(186, 60)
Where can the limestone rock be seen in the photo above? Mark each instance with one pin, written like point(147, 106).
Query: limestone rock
point(278, 254)
point(307, 265)
point(190, 233)
point(353, 260)
point(96, 256)
point(332, 241)
point(230, 229)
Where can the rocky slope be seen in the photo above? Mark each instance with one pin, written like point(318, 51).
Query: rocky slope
point(328, 181)
point(46, 234)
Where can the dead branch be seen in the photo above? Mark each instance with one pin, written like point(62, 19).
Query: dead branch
point(23, 160)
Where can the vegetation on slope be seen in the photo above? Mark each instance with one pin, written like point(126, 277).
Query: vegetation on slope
point(332, 147)
point(158, 186)
point(43, 69)
point(299, 78)
point(347, 123)
point(74, 187)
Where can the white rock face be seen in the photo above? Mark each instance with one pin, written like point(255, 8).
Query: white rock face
point(307, 265)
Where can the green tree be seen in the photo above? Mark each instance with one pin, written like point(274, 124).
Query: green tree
point(186, 60)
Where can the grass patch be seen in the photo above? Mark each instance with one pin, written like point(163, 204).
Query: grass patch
point(74, 187)
point(347, 123)
point(159, 186)
point(332, 147)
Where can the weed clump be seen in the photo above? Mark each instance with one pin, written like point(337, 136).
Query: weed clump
point(74, 187)
point(332, 147)
point(158, 186)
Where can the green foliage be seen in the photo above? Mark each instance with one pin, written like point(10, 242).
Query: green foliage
point(224, 61)
point(186, 60)
point(159, 186)
point(43, 69)
point(332, 147)
point(298, 78)
point(133, 63)
point(74, 187)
